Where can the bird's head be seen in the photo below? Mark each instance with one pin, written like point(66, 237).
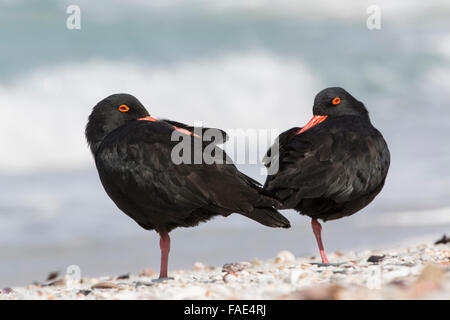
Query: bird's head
point(110, 114)
point(336, 101)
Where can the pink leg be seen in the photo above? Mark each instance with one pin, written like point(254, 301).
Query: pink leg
point(317, 229)
point(164, 244)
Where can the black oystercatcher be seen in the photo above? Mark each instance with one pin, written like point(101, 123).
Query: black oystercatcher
point(332, 167)
point(132, 153)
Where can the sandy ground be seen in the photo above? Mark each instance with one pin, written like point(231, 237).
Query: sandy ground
point(421, 272)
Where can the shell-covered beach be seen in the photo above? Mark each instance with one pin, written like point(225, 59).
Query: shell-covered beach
point(420, 272)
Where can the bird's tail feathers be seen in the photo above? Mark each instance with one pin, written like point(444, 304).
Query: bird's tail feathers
point(268, 217)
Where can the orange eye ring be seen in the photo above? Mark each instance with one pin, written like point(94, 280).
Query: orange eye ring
point(124, 108)
point(336, 101)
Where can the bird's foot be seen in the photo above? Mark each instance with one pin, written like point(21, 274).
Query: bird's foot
point(160, 280)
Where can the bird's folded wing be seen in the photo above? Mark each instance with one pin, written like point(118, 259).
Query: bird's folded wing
point(150, 169)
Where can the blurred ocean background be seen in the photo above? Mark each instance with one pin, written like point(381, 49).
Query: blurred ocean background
point(232, 64)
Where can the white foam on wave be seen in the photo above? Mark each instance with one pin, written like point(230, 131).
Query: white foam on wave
point(44, 112)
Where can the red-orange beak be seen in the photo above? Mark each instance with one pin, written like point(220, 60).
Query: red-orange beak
point(185, 131)
point(148, 118)
point(314, 121)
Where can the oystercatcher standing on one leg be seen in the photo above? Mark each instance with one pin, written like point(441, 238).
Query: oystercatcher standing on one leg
point(133, 155)
point(334, 166)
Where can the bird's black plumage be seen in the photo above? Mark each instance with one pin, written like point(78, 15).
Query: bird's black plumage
point(334, 168)
point(133, 159)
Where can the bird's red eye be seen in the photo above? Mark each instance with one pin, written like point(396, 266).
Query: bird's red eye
point(124, 108)
point(336, 101)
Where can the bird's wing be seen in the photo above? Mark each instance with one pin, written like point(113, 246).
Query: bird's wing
point(154, 180)
point(331, 163)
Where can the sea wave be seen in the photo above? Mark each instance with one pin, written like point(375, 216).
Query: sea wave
point(44, 112)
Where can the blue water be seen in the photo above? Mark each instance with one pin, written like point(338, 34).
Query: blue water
point(232, 65)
